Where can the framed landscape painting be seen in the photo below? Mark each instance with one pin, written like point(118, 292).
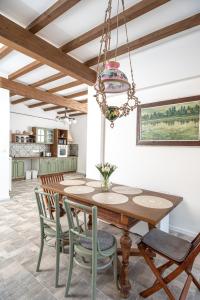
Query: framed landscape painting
point(173, 122)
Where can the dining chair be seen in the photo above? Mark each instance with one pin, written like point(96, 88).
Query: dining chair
point(48, 180)
point(50, 228)
point(88, 247)
point(177, 251)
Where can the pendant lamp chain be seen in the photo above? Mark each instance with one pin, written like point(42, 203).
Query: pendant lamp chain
point(109, 78)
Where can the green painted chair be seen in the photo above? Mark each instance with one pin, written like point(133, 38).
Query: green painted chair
point(91, 249)
point(50, 226)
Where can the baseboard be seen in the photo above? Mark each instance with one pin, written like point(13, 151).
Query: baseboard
point(5, 199)
point(183, 231)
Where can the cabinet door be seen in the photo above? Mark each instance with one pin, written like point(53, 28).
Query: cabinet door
point(74, 164)
point(68, 164)
point(14, 172)
point(61, 165)
point(20, 168)
point(40, 135)
point(44, 166)
point(49, 136)
point(53, 168)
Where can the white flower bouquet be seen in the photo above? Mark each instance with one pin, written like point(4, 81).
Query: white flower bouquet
point(106, 170)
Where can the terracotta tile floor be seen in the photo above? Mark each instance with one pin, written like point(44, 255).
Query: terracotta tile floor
point(19, 247)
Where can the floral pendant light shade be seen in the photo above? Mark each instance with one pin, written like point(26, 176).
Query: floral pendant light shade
point(110, 79)
point(114, 80)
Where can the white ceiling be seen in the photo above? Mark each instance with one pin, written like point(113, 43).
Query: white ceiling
point(78, 20)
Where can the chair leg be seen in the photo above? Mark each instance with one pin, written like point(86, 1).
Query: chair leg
point(58, 245)
point(69, 277)
point(94, 277)
point(194, 280)
point(156, 272)
point(40, 254)
point(186, 288)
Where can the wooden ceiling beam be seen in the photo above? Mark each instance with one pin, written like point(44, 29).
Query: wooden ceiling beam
point(66, 97)
point(77, 94)
point(38, 104)
point(65, 111)
point(46, 97)
point(53, 108)
point(4, 51)
point(59, 107)
point(76, 115)
point(151, 38)
point(131, 13)
point(65, 86)
point(48, 79)
point(21, 100)
point(53, 12)
point(15, 36)
point(26, 69)
point(45, 80)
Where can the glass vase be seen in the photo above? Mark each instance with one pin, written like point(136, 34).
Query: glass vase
point(105, 186)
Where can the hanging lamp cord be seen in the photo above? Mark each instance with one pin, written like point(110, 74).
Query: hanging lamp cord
point(127, 42)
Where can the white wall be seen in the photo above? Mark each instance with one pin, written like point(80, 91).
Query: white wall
point(174, 170)
point(79, 135)
point(94, 128)
point(22, 122)
point(4, 143)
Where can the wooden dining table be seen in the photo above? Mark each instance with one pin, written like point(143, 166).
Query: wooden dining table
point(123, 216)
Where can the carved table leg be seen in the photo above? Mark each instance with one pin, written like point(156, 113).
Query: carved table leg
point(90, 222)
point(125, 285)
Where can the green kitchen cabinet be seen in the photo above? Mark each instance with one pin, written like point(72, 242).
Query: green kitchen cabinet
point(53, 165)
point(43, 135)
point(49, 136)
point(71, 164)
point(40, 135)
point(17, 169)
point(57, 165)
point(62, 165)
point(44, 166)
point(74, 164)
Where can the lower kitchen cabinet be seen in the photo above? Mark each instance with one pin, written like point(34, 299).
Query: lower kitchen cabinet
point(57, 165)
point(17, 169)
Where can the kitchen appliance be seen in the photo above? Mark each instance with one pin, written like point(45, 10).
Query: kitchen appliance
point(48, 154)
point(62, 150)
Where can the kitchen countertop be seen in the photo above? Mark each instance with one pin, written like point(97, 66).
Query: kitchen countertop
point(38, 157)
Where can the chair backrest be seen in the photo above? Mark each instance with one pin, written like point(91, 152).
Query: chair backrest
point(194, 251)
point(48, 180)
point(51, 178)
point(74, 225)
point(45, 202)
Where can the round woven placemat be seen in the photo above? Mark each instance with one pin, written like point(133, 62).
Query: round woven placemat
point(152, 202)
point(72, 182)
point(126, 190)
point(80, 189)
point(95, 184)
point(110, 198)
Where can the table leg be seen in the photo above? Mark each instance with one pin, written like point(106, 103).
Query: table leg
point(125, 285)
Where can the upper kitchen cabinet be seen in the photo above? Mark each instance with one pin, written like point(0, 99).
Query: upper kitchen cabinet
point(43, 135)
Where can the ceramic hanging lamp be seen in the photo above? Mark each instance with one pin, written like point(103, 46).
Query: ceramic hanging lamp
point(110, 79)
point(114, 80)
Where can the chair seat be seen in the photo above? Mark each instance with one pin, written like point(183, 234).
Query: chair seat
point(105, 239)
point(169, 245)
